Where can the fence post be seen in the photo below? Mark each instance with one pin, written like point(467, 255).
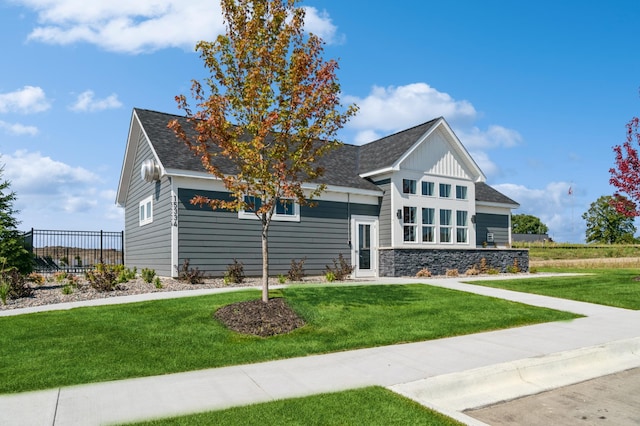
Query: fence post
point(122, 245)
point(101, 256)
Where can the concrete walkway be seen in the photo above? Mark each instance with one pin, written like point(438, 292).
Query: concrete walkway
point(450, 375)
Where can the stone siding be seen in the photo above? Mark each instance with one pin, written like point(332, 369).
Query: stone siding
point(407, 262)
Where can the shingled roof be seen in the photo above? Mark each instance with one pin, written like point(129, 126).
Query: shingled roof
point(485, 193)
point(384, 152)
point(343, 166)
point(340, 165)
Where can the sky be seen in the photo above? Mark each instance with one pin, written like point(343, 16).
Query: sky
point(538, 92)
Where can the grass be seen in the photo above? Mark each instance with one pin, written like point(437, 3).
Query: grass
point(84, 345)
point(612, 287)
point(366, 406)
point(548, 251)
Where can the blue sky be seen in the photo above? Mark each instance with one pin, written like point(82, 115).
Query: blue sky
point(538, 92)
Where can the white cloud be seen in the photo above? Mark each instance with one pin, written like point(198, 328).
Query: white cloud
point(54, 195)
point(320, 24)
point(28, 100)
point(391, 109)
point(32, 173)
point(552, 204)
point(141, 25)
point(86, 102)
point(398, 107)
point(18, 129)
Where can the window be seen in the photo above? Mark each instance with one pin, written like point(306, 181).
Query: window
point(409, 220)
point(285, 209)
point(445, 190)
point(461, 226)
point(146, 211)
point(461, 192)
point(428, 222)
point(408, 186)
point(445, 226)
point(428, 188)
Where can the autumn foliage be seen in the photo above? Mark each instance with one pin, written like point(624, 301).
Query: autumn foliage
point(625, 176)
point(270, 108)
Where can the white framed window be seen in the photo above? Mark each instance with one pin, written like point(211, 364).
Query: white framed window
point(445, 190)
point(146, 211)
point(428, 225)
point(428, 188)
point(287, 210)
point(462, 229)
point(409, 223)
point(461, 192)
point(408, 186)
point(445, 226)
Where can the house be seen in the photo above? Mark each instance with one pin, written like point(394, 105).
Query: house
point(412, 200)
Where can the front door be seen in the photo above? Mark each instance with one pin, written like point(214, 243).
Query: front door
point(364, 256)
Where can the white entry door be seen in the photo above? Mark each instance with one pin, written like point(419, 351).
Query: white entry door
point(364, 247)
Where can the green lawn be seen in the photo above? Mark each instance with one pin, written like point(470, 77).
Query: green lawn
point(367, 406)
point(84, 345)
point(612, 287)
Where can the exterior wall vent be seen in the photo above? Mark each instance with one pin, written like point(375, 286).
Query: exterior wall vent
point(150, 171)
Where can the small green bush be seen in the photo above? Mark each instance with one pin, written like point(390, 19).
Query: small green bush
point(282, 279)
point(148, 274)
point(15, 284)
point(67, 289)
point(330, 276)
point(235, 273)
point(4, 291)
point(157, 282)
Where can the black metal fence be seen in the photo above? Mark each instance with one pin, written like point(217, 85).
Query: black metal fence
point(74, 251)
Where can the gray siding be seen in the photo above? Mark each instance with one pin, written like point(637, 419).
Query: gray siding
point(497, 224)
point(385, 218)
point(148, 246)
point(211, 239)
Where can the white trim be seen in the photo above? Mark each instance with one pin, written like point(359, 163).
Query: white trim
point(295, 217)
point(368, 220)
point(175, 207)
point(145, 211)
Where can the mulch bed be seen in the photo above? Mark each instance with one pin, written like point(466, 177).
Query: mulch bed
point(260, 318)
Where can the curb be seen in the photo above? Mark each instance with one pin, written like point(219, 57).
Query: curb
point(453, 393)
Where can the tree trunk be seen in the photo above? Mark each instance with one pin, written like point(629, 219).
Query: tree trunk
point(265, 263)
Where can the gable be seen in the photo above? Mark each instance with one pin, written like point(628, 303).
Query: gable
point(436, 155)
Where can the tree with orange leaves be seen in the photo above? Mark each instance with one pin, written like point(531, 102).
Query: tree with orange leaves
point(271, 107)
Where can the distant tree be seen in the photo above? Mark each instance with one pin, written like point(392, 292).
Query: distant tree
point(625, 176)
point(13, 253)
point(527, 224)
point(271, 107)
point(606, 225)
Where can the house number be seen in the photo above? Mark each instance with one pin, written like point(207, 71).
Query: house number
point(174, 211)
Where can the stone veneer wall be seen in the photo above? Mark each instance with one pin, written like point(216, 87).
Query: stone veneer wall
point(407, 262)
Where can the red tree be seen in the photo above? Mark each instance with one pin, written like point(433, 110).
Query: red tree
point(625, 176)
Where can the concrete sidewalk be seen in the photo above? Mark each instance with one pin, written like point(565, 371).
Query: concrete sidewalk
point(449, 375)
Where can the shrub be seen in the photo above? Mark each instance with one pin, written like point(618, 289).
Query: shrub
point(296, 270)
point(330, 276)
point(105, 277)
point(4, 291)
point(483, 266)
point(472, 271)
point(282, 279)
point(190, 275)
point(67, 289)
point(492, 271)
point(60, 276)
point(424, 273)
point(148, 274)
point(36, 278)
point(235, 273)
point(125, 274)
point(452, 273)
point(14, 284)
point(515, 268)
point(341, 268)
point(157, 282)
